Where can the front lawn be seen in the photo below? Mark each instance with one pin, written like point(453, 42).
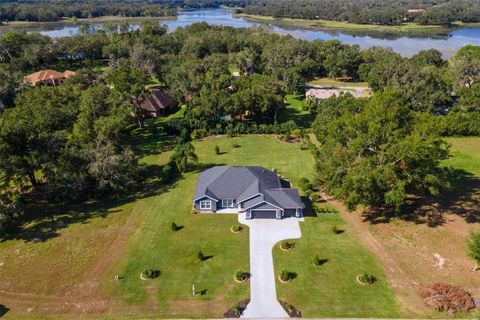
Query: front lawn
point(331, 289)
point(156, 246)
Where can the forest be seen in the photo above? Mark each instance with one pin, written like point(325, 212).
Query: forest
point(391, 144)
point(386, 12)
point(382, 12)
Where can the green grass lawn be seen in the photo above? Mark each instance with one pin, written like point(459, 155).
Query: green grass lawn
point(295, 111)
point(465, 154)
point(156, 246)
point(339, 83)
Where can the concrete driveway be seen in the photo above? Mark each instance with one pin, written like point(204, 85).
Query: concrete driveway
point(264, 234)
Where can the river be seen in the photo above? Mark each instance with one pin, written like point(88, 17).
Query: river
point(447, 42)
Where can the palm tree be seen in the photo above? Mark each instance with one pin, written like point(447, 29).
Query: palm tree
point(182, 153)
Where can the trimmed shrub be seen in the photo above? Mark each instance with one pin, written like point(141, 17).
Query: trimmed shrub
point(150, 274)
point(287, 245)
point(217, 150)
point(174, 227)
point(317, 261)
point(237, 228)
point(335, 229)
point(241, 276)
point(367, 278)
point(287, 276)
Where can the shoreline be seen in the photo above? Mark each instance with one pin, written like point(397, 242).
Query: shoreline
point(329, 24)
point(102, 19)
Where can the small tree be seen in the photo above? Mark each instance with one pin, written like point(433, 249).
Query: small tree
point(473, 244)
point(217, 150)
point(174, 227)
point(200, 256)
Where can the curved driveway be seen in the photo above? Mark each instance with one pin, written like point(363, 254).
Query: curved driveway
point(264, 234)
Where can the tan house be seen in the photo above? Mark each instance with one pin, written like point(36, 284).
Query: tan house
point(158, 103)
point(48, 77)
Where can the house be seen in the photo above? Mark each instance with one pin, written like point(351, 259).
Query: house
point(157, 103)
point(48, 77)
point(252, 190)
point(416, 10)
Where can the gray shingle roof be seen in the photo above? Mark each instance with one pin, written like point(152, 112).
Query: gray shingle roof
point(242, 183)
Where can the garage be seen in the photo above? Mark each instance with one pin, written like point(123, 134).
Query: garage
point(264, 214)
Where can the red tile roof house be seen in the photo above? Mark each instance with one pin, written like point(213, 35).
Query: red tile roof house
point(48, 77)
point(157, 104)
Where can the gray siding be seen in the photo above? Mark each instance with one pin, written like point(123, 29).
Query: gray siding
point(197, 205)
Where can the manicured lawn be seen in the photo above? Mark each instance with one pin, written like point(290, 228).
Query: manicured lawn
point(339, 83)
point(465, 154)
point(331, 290)
point(156, 246)
point(294, 111)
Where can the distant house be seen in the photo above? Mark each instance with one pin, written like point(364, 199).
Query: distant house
point(416, 10)
point(48, 77)
point(255, 191)
point(158, 103)
point(323, 93)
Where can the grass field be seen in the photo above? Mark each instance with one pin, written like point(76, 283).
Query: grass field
point(338, 83)
point(331, 290)
point(295, 111)
point(465, 154)
point(343, 25)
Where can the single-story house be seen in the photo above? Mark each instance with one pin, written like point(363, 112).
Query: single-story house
point(252, 190)
point(48, 77)
point(157, 103)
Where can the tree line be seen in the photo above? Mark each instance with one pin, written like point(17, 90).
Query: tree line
point(76, 141)
point(386, 12)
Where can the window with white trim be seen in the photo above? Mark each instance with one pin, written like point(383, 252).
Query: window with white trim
point(227, 203)
point(205, 204)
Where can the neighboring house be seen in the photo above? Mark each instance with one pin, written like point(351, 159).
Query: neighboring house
point(48, 77)
point(323, 93)
point(158, 103)
point(253, 190)
point(416, 10)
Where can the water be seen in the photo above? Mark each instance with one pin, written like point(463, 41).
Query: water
point(446, 42)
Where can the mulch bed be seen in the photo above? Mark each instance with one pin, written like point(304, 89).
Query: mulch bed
point(241, 306)
point(291, 310)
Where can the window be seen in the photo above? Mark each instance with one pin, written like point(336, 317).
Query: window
point(227, 203)
point(205, 204)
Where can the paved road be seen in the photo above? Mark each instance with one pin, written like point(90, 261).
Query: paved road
point(264, 234)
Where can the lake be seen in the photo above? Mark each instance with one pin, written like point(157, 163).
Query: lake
point(447, 42)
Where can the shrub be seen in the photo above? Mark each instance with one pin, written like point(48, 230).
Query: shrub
point(150, 274)
point(235, 145)
point(217, 150)
point(473, 245)
point(335, 229)
point(174, 227)
point(287, 245)
point(200, 256)
point(367, 278)
point(317, 261)
point(167, 172)
point(304, 184)
point(286, 276)
point(296, 133)
point(241, 275)
point(446, 297)
point(237, 228)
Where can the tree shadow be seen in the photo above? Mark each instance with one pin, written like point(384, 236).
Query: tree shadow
point(320, 262)
point(464, 197)
point(152, 139)
point(44, 220)
point(3, 310)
